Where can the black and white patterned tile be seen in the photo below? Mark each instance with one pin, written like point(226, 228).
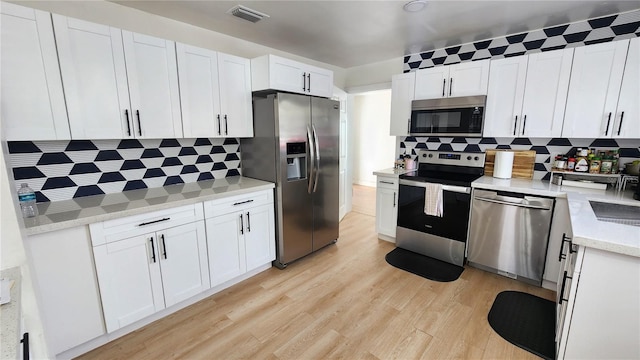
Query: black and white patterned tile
point(608, 28)
point(62, 170)
point(545, 148)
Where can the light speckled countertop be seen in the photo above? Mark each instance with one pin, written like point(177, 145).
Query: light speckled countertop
point(90, 209)
point(391, 172)
point(587, 229)
point(10, 317)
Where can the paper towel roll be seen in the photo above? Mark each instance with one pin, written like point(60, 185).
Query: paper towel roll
point(503, 164)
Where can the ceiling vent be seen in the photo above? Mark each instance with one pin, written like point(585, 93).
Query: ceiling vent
point(245, 13)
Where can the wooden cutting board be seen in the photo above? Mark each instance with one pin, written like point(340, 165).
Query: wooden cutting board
point(523, 163)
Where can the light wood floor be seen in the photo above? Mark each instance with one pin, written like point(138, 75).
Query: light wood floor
point(344, 302)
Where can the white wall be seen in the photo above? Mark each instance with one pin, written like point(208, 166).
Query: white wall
point(375, 76)
point(374, 148)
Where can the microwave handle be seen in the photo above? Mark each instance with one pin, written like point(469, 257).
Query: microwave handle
point(408, 126)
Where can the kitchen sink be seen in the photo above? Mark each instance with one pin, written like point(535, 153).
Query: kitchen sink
point(616, 213)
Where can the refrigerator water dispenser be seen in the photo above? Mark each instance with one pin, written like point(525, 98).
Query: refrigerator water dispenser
point(296, 161)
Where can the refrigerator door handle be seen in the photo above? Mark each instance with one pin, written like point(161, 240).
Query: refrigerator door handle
point(317, 151)
point(311, 160)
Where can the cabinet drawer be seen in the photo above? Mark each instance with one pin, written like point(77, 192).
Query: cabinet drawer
point(387, 182)
point(237, 203)
point(110, 230)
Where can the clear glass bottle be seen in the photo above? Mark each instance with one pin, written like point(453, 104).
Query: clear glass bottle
point(27, 199)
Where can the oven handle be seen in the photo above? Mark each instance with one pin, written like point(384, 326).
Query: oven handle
point(452, 188)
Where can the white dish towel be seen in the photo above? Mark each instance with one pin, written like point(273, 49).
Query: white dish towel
point(433, 199)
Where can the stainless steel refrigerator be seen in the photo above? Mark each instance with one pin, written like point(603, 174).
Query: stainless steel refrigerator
point(296, 146)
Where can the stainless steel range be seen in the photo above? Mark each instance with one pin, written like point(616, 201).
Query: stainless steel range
point(440, 237)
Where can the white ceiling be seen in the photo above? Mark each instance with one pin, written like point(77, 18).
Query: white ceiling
point(353, 33)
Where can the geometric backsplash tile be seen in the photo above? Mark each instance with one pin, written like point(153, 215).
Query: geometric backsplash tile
point(62, 170)
point(545, 148)
point(604, 29)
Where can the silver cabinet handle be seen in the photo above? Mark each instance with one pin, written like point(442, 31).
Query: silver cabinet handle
point(304, 82)
point(154, 221)
point(386, 182)
point(248, 222)
point(243, 202)
point(308, 82)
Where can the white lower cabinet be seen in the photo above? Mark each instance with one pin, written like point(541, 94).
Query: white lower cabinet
point(65, 284)
point(386, 207)
point(240, 234)
point(151, 263)
point(602, 317)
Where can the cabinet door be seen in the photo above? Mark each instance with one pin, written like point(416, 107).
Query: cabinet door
point(129, 277)
point(225, 247)
point(627, 123)
point(183, 261)
point(235, 96)
point(32, 102)
point(95, 79)
point(287, 75)
point(470, 78)
point(64, 278)
point(319, 82)
point(596, 75)
point(545, 93)
point(199, 91)
point(431, 83)
point(505, 95)
point(153, 86)
point(402, 89)
point(386, 211)
point(259, 236)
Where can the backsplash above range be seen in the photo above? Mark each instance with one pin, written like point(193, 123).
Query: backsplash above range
point(62, 170)
point(592, 31)
point(545, 148)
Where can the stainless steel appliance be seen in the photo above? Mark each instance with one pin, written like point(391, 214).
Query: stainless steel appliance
point(459, 116)
point(445, 237)
point(296, 146)
point(509, 234)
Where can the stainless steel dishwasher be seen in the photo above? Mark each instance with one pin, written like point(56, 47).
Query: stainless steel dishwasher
point(509, 233)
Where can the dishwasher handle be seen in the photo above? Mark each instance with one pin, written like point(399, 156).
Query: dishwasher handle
point(527, 206)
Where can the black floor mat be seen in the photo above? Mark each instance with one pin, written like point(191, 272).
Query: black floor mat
point(526, 321)
point(430, 268)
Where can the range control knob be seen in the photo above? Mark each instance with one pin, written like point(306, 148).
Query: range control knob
point(469, 157)
point(424, 155)
point(476, 158)
point(430, 155)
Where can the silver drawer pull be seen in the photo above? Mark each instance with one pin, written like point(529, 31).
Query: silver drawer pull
point(153, 222)
point(243, 202)
point(386, 182)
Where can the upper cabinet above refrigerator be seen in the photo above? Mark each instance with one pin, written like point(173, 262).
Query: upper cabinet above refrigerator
point(32, 101)
point(270, 72)
point(117, 84)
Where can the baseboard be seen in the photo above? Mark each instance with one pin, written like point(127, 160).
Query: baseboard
point(387, 238)
point(549, 285)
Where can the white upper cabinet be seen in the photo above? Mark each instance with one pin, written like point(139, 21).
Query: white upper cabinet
point(215, 93)
point(270, 72)
point(627, 124)
point(594, 89)
point(464, 79)
point(32, 101)
point(527, 95)
point(98, 81)
point(402, 88)
point(153, 86)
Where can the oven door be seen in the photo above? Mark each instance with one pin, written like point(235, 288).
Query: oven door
point(454, 223)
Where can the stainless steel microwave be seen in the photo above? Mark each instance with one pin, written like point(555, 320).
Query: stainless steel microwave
point(458, 116)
